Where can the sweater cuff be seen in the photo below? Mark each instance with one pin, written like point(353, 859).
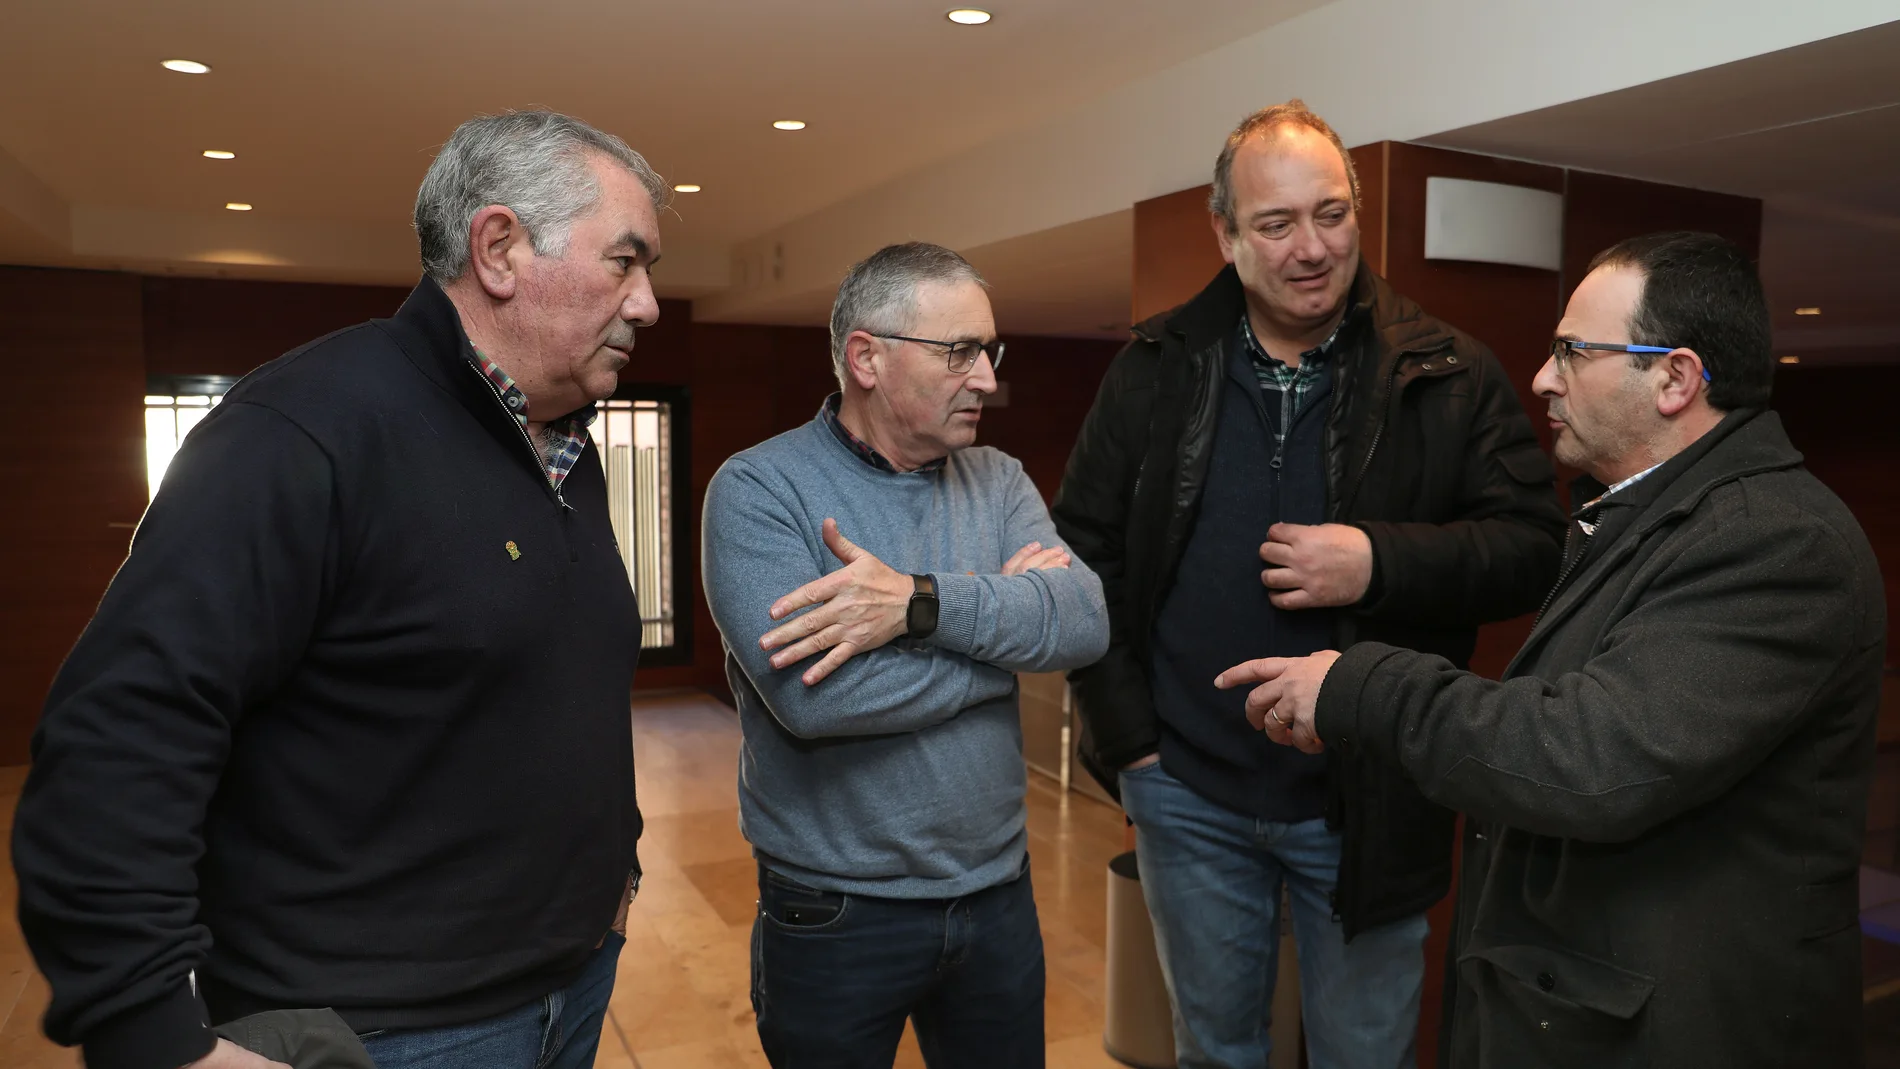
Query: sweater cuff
point(165, 1034)
point(957, 598)
point(1336, 714)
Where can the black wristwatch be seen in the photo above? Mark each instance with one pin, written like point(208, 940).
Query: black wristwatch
point(921, 617)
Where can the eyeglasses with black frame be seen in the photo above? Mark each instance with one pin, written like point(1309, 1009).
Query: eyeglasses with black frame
point(1563, 351)
point(962, 354)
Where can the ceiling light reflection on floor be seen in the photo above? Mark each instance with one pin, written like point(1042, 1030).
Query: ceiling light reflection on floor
point(968, 16)
point(238, 206)
point(789, 124)
point(185, 66)
point(219, 154)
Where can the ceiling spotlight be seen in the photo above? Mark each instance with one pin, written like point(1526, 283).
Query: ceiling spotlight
point(1808, 311)
point(686, 187)
point(186, 66)
point(219, 154)
point(968, 16)
point(238, 206)
point(789, 124)
point(1791, 360)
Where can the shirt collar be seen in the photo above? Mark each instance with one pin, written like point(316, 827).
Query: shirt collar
point(828, 414)
point(1317, 354)
point(517, 402)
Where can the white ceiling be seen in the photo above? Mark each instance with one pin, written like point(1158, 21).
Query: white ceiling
point(1814, 131)
point(335, 109)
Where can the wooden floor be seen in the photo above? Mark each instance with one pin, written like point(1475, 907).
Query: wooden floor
point(681, 1000)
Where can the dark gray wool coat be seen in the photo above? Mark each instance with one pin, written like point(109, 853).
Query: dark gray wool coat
point(1666, 796)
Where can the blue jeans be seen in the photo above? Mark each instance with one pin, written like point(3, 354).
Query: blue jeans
point(1212, 880)
point(560, 1030)
point(834, 977)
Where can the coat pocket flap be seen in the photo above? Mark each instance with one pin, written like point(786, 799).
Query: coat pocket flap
point(1561, 974)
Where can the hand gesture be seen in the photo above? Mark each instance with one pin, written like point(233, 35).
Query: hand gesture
point(1033, 556)
point(859, 607)
point(228, 1055)
point(1313, 567)
point(1284, 702)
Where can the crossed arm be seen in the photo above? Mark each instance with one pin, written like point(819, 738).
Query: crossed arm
point(778, 606)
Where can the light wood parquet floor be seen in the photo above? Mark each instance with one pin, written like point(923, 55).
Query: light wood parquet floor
point(681, 1000)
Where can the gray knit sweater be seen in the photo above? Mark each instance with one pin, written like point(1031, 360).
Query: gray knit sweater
point(900, 775)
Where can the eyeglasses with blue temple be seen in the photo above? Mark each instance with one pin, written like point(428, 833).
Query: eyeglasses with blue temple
point(1564, 351)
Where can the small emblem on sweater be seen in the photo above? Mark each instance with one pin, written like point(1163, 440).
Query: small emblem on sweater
point(514, 551)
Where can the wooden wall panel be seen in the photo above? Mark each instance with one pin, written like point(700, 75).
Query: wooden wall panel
point(1841, 419)
point(1176, 253)
point(1601, 210)
point(72, 458)
point(202, 326)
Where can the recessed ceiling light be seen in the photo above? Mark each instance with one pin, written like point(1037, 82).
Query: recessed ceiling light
point(789, 124)
point(1791, 360)
point(686, 187)
point(186, 66)
point(219, 154)
point(238, 206)
point(1808, 311)
point(968, 16)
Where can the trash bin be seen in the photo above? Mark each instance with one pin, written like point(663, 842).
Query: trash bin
point(1139, 1029)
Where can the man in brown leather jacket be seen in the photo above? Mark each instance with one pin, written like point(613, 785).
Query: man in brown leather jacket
point(1296, 459)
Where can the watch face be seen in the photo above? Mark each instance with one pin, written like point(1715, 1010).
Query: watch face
point(922, 615)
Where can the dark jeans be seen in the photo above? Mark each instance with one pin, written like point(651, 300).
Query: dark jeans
point(560, 1030)
point(834, 977)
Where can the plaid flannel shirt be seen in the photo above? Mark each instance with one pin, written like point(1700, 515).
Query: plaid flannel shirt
point(567, 436)
point(1292, 383)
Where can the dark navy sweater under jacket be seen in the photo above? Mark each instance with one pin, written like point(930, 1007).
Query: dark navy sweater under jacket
point(1216, 613)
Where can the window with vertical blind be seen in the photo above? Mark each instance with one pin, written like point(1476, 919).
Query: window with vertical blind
point(641, 434)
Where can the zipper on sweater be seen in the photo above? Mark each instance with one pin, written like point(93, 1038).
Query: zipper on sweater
point(1286, 428)
point(540, 462)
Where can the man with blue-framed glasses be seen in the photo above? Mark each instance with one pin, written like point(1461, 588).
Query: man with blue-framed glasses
point(1666, 795)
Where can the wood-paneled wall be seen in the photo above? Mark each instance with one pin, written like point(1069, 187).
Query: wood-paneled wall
point(72, 459)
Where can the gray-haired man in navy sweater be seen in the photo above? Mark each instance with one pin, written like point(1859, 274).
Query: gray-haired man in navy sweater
point(350, 728)
point(881, 782)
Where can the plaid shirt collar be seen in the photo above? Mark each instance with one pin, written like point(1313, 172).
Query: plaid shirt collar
point(828, 414)
point(568, 434)
point(1275, 375)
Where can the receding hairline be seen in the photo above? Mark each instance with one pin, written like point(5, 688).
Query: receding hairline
point(1270, 134)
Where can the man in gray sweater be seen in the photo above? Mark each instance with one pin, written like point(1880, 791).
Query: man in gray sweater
point(878, 583)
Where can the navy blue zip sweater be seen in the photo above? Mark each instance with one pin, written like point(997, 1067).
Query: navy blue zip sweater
point(350, 727)
point(1217, 613)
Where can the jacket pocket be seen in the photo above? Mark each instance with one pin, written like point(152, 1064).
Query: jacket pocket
point(1549, 1007)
